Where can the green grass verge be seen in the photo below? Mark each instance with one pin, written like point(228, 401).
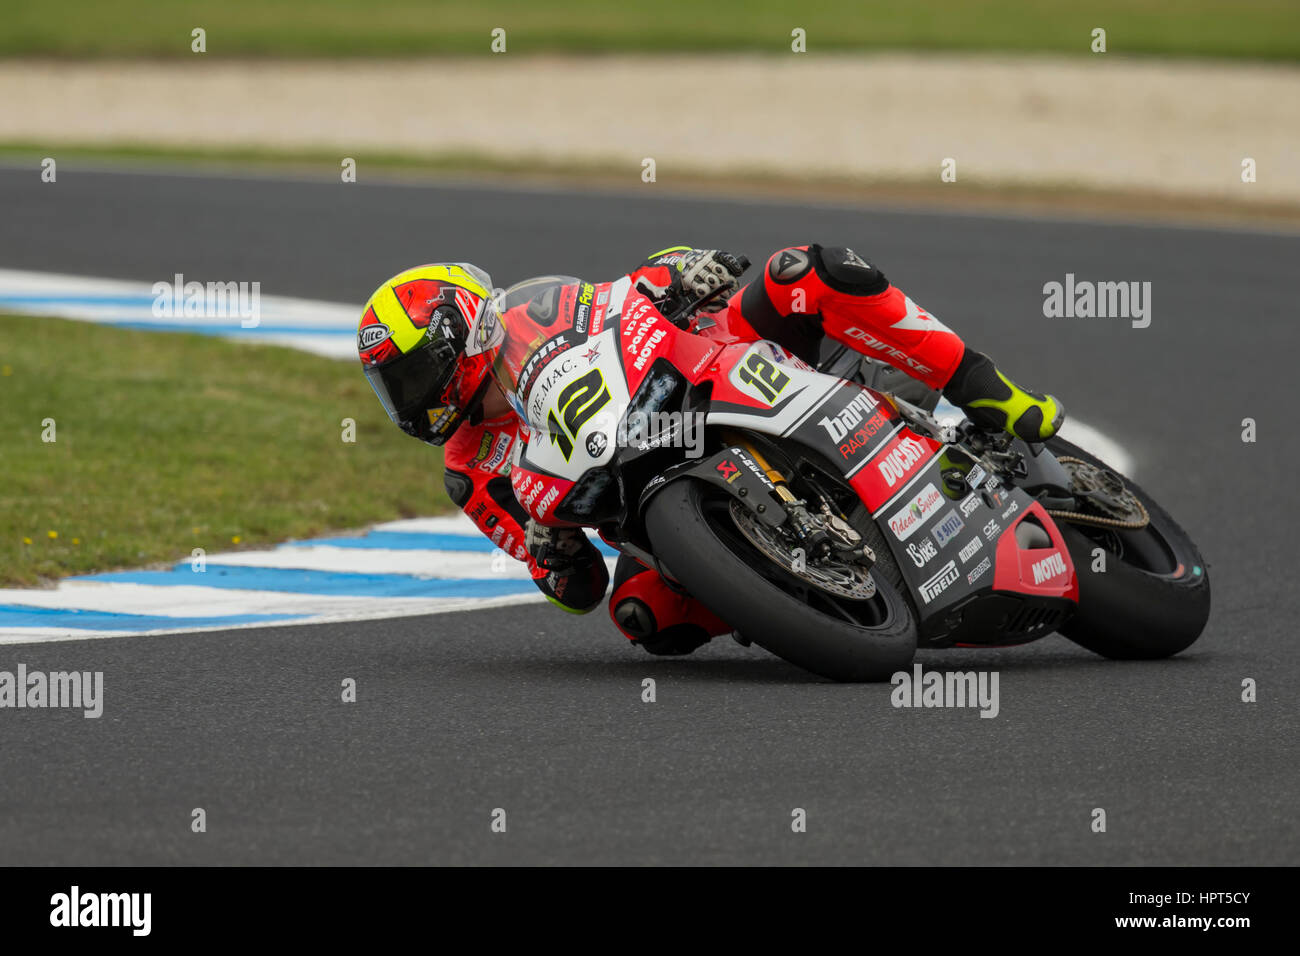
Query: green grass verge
point(1214, 28)
point(166, 443)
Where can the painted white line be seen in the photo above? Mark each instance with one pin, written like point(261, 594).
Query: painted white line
point(422, 564)
point(185, 601)
point(42, 635)
point(323, 328)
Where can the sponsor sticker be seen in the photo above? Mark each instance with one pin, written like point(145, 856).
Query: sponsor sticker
point(922, 551)
point(979, 569)
point(949, 527)
point(498, 453)
point(368, 336)
point(970, 504)
point(1050, 567)
point(936, 585)
point(582, 312)
point(484, 448)
point(897, 464)
point(861, 438)
point(976, 477)
point(913, 514)
point(969, 549)
point(547, 500)
point(991, 529)
point(843, 422)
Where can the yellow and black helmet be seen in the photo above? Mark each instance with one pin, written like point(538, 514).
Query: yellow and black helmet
point(418, 349)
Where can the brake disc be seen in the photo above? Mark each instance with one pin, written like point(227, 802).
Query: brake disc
point(834, 577)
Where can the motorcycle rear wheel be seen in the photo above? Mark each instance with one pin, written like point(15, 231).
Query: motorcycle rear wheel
point(1149, 597)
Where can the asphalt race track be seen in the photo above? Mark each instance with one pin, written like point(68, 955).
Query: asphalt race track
point(540, 713)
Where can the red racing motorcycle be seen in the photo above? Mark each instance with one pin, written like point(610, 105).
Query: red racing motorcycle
point(822, 514)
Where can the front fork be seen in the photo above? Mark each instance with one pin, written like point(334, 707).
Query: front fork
point(813, 536)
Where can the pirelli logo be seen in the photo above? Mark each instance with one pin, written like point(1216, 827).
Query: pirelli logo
point(932, 588)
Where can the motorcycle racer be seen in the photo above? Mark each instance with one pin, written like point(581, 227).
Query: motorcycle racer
point(419, 350)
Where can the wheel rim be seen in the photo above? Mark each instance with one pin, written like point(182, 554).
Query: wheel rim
point(873, 612)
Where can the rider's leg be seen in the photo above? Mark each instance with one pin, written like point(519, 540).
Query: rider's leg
point(651, 614)
point(807, 292)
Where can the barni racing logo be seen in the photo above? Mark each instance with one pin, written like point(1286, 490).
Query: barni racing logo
point(859, 439)
point(932, 588)
point(1050, 567)
point(913, 514)
point(898, 463)
point(853, 413)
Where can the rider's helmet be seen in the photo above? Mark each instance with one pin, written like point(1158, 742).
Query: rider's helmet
point(421, 349)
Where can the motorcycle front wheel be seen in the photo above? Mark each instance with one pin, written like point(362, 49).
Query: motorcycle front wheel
point(694, 535)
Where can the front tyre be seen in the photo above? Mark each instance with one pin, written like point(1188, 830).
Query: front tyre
point(1152, 599)
point(692, 532)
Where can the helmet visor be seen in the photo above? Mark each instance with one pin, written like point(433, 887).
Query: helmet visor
point(409, 386)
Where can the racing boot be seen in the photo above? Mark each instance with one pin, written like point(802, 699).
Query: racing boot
point(993, 401)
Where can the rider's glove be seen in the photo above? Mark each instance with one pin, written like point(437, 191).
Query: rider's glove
point(702, 271)
point(574, 573)
point(560, 550)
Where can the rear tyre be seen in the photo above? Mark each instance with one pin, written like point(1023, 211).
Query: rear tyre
point(1152, 599)
point(693, 534)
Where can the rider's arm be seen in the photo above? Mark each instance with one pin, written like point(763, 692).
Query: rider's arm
point(477, 478)
point(477, 465)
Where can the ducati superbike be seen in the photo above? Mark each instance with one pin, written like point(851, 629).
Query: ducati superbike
point(826, 513)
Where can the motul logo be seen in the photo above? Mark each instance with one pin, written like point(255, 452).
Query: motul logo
point(848, 419)
point(900, 461)
point(1051, 566)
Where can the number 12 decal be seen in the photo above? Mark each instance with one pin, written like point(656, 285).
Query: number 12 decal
point(578, 401)
point(766, 378)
